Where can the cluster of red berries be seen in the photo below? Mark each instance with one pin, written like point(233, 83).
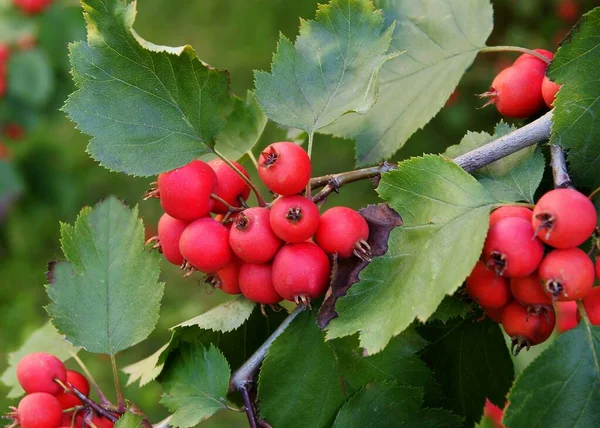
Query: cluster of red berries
point(267, 253)
point(52, 395)
point(32, 7)
point(531, 260)
point(523, 89)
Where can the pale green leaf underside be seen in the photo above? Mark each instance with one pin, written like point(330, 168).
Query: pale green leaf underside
point(106, 297)
point(333, 67)
point(44, 339)
point(146, 370)
point(149, 108)
point(225, 317)
point(441, 40)
point(575, 124)
point(195, 384)
point(445, 212)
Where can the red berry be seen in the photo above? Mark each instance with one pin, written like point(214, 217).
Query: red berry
point(528, 291)
point(67, 400)
point(227, 278)
point(301, 272)
point(567, 316)
point(591, 303)
point(549, 90)
point(511, 211)
point(32, 7)
point(169, 232)
point(567, 274)
point(185, 192)
point(205, 245)
point(510, 250)
point(493, 412)
point(284, 168)
point(4, 53)
point(516, 92)
point(529, 61)
point(597, 268)
point(101, 422)
point(564, 218)
point(568, 11)
point(294, 218)
point(36, 373)
point(79, 381)
point(252, 238)
point(231, 187)
point(488, 288)
point(495, 314)
point(39, 410)
point(14, 131)
point(345, 232)
point(256, 283)
point(526, 328)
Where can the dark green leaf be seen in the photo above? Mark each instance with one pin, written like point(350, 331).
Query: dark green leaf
point(560, 388)
point(470, 361)
point(451, 307)
point(130, 420)
point(149, 108)
point(106, 297)
point(30, 78)
point(576, 66)
point(11, 184)
point(59, 26)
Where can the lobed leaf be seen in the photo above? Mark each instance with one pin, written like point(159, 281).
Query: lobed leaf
point(225, 317)
point(130, 420)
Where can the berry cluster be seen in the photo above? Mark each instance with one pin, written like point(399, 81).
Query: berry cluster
point(32, 7)
point(53, 395)
point(523, 89)
point(531, 262)
point(268, 253)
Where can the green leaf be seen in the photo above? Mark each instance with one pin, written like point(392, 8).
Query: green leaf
point(130, 420)
point(446, 215)
point(44, 339)
point(195, 384)
point(441, 40)
point(30, 79)
point(512, 179)
point(470, 361)
point(382, 404)
point(149, 108)
point(451, 307)
point(106, 297)
point(576, 66)
point(225, 317)
point(560, 388)
point(146, 370)
point(336, 369)
point(58, 26)
point(333, 67)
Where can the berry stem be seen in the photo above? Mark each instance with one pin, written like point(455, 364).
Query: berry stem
point(250, 411)
point(259, 198)
point(88, 401)
point(310, 143)
point(252, 158)
point(515, 49)
point(101, 396)
point(559, 168)
point(231, 208)
point(120, 400)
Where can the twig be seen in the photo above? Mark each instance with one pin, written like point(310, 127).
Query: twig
point(259, 198)
point(99, 392)
point(559, 168)
point(88, 401)
point(515, 49)
point(230, 207)
point(120, 400)
point(249, 406)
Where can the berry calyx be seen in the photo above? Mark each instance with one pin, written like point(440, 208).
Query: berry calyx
point(169, 232)
point(256, 283)
point(549, 90)
point(510, 250)
point(294, 218)
point(252, 238)
point(567, 274)
point(526, 328)
point(510, 211)
point(36, 373)
point(205, 245)
point(591, 304)
point(284, 168)
point(345, 232)
point(227, 278)
point(564, 218)
point(185, 192)
point(39, 410)
point(487, 288)
point(528, 291)
point(231, 187)
point(301, 272)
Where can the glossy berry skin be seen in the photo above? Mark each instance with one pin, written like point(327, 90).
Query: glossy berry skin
point(39, 410)
point(79, 381)
point(487, 288)
point(495, 314)
point(516, 92)
point(185, 192)
point(230, 187)
point(510, 211)
point(36, 373)
point(525, 327)
point(32, 7)
point(510, 250)
point(591, 304)
point(549, 90)
point(301, 270)
point(294, 218)
point(493, 412)
point(67, 400)
point(227, 278)
point(564, 218)
point(597, 268)
point(205, 245)
point(169, 232)
point(528, 291)
point(252, 238)
point(284, 168)
point(341, 231)
point(529, 61)
point(567, 274)
point(256, 283)
point(567, 315)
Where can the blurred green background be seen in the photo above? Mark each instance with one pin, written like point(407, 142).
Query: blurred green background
point(239, 35)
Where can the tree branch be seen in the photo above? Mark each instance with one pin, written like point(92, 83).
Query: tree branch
point(562, 180)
